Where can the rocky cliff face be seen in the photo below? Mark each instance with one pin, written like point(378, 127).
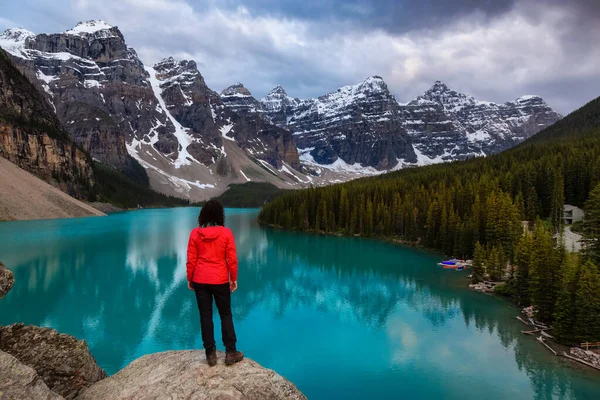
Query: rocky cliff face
point(194, 142)
point(363, 125)
point(18, 381)
point(32, 137)
point(356, 125)
point(95, 83)
point(446, 125)
point(254, 131)
point(62, 362)
point(7, 280)
point(164, 117)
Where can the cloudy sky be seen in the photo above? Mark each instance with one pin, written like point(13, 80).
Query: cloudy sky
point(495, 50)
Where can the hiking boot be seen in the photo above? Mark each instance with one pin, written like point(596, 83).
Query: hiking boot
point(232, 357)
point(211, 357)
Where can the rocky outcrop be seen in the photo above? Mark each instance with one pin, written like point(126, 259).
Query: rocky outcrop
point(364, 124)
point(96, 85)
point(61, 361)
point(32, 137)
point(7, 280)
point(254, 132)
point(186, 375)
point(446, 125)
point(359, 124)
point(18, 381)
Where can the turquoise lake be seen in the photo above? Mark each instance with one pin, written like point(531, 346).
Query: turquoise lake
point(342, 318)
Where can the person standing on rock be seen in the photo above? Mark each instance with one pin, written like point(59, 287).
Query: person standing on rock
point(212, 269)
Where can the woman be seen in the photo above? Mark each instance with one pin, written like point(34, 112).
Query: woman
point(212, 272)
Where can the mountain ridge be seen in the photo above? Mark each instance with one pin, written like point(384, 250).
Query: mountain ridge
point(166, 118)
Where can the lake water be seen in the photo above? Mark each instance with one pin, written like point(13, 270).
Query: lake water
point(342, 318)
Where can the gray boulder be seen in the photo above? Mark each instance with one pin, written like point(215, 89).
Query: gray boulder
point(7, 280)
point(18, 381)
point(61, 361)
point(186, 375)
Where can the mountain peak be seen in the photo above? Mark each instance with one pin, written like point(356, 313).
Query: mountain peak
point(89, 27)
point(237, 89)
point(15, 36)
point(277, 90)
point(13, 40)
point(373, 83)
point(528, 98)
point(438, 87)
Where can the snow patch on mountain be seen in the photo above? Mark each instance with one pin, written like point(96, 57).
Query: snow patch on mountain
point(338, 165)
point(13, 41)
point(225, 129)
point(183, 158)
point(88, 27)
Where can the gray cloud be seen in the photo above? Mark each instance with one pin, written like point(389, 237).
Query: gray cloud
point(495, 50)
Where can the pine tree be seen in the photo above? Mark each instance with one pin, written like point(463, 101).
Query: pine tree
point(558, 202)
point(587, 304)
point(545, 274)
point(479, 260)
point(591, 226)
point(496, 263)
point(564, 312)
point(524, 259)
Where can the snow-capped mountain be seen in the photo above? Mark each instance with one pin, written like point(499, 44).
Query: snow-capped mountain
point(254, 131)
point(194, 142)
point(363, 125)
point(164, 116)
point(446, 125)
point(358, 126)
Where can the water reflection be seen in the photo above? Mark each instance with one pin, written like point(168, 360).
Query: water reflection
point(119, 282)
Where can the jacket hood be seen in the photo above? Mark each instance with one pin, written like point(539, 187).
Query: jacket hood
point(210, 233)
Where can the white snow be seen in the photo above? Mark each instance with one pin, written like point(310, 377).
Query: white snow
point(184, 184)
point(225, 130)
point(180, 132)
point(527, 97)
point(478, 136)
point(13, 41)
point(338, 165)
point(267, 166)
point(422, 159)
point(244, 175)
point(88, 27)
point(91, 83)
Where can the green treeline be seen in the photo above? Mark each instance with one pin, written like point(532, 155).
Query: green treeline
point(114, 187)
point(476, 207)
point(249, 195)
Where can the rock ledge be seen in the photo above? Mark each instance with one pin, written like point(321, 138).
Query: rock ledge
point(186, 375)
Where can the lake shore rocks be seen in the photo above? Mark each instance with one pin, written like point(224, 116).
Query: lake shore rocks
point(592, 358)
point(18, 381)
point(186, 375)
point(7, 280)
point(61, 361)
point(40, 363)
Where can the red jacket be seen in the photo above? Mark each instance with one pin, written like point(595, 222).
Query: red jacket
point(211, 256)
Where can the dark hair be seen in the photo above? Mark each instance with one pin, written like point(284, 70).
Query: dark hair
point(212, 214)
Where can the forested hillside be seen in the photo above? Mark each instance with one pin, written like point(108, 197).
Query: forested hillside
point(453, 207)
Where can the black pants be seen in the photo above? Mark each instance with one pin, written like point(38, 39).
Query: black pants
point(204, 297)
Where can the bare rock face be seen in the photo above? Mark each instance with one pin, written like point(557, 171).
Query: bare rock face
point(7, 280)
point(357, 124)
point(61, 361)
point(32, 138)
point(18, 381)
point(186, 375)
point(446, 125)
